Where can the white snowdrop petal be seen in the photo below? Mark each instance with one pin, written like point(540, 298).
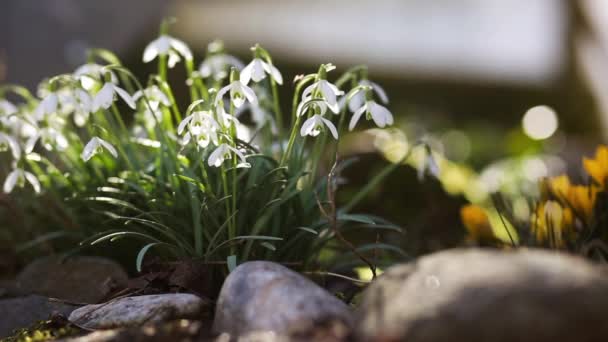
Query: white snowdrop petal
point(274, 72)
point(258, 72)
point(246, 74)
point(308, 126)
point(89, 149)
point(173, 59)
point(356, 117)
point(31, 142)
point(108, 147)
point(150, 52)
point(331, 127)
point(182, 125)
point(250, 94)
point(308, 91)
point(60, 141)
point(380, 91)
point(220, 94)
point(104, 97)
point(33, 181)
point(125, 96)
point(11, 181)
point(181, 48)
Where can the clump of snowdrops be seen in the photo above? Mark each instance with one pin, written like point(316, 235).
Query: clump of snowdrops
point(119, 158)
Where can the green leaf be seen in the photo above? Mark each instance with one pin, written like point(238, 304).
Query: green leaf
point(310, 230)
point(142, 254)
point(123, 234)
point(268, 245)
point(231, 262)
point(360, 218)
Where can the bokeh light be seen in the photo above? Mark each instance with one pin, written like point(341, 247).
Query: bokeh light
point(540, 122)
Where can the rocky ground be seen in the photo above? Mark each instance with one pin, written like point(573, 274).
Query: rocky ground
point(454, 295)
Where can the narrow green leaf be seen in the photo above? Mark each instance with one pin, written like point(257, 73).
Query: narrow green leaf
point(231, 261)
point(268, 245)
point(142, 254)
point(360, 218)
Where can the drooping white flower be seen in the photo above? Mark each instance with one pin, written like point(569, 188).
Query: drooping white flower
point(88, 74)
point(7, 108)
point(105, 97)
point(97, 145)
point(257, 70)
point(18, 177)
point(50, 137)
point(47, 106)
point(82, 107)
point(381, 116)
point(218, 66)
point(328, 91)
point(358, 99)
point(154, 95)
point(224, 152)
point(164, 45)
point(319, 104)
point(429, 164)
point(239, 93)
point(314, 125)
point(201, 126)
point(8, 142)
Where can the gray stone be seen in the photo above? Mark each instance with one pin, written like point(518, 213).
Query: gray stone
point(79, 279)
point(21, 312)
point(131, 311)
point(265, 296)
point(487, 295)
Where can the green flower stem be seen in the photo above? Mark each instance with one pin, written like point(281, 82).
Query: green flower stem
point(296, 121)
point(277, 111)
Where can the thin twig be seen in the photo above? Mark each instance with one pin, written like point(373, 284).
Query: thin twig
point(332, 218)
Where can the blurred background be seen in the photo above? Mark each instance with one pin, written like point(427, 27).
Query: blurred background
point(462, 75)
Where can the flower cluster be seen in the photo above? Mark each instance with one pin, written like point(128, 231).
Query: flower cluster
point(228, 168)
point(564, 214)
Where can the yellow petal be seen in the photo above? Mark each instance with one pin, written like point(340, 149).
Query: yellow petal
point(476, 222)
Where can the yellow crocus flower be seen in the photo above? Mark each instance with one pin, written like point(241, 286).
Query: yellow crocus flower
point(582, 200)
point(477, 223)
point(597, 168)
point(560, 186)
point(552, 223)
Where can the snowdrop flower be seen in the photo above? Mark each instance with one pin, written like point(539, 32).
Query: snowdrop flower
point(18, 177)
point(328, 91)
point(105, 97)
point(428, 164)
point(218, 66)
point(83, 107)
point(319, 104)
point(97, 145)
point(164, 45)
point(223, 152)
point(202, 126)
point(257, 70)
point(239, 93)
point(7, 108)
point(155, 97)
point(358, 99)
point(47, 106)
point(50, 138)
point(89, 73)
point(8, 142)
point(314, 126)
point(378, 113)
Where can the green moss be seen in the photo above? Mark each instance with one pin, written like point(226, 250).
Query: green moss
point(43, 331)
